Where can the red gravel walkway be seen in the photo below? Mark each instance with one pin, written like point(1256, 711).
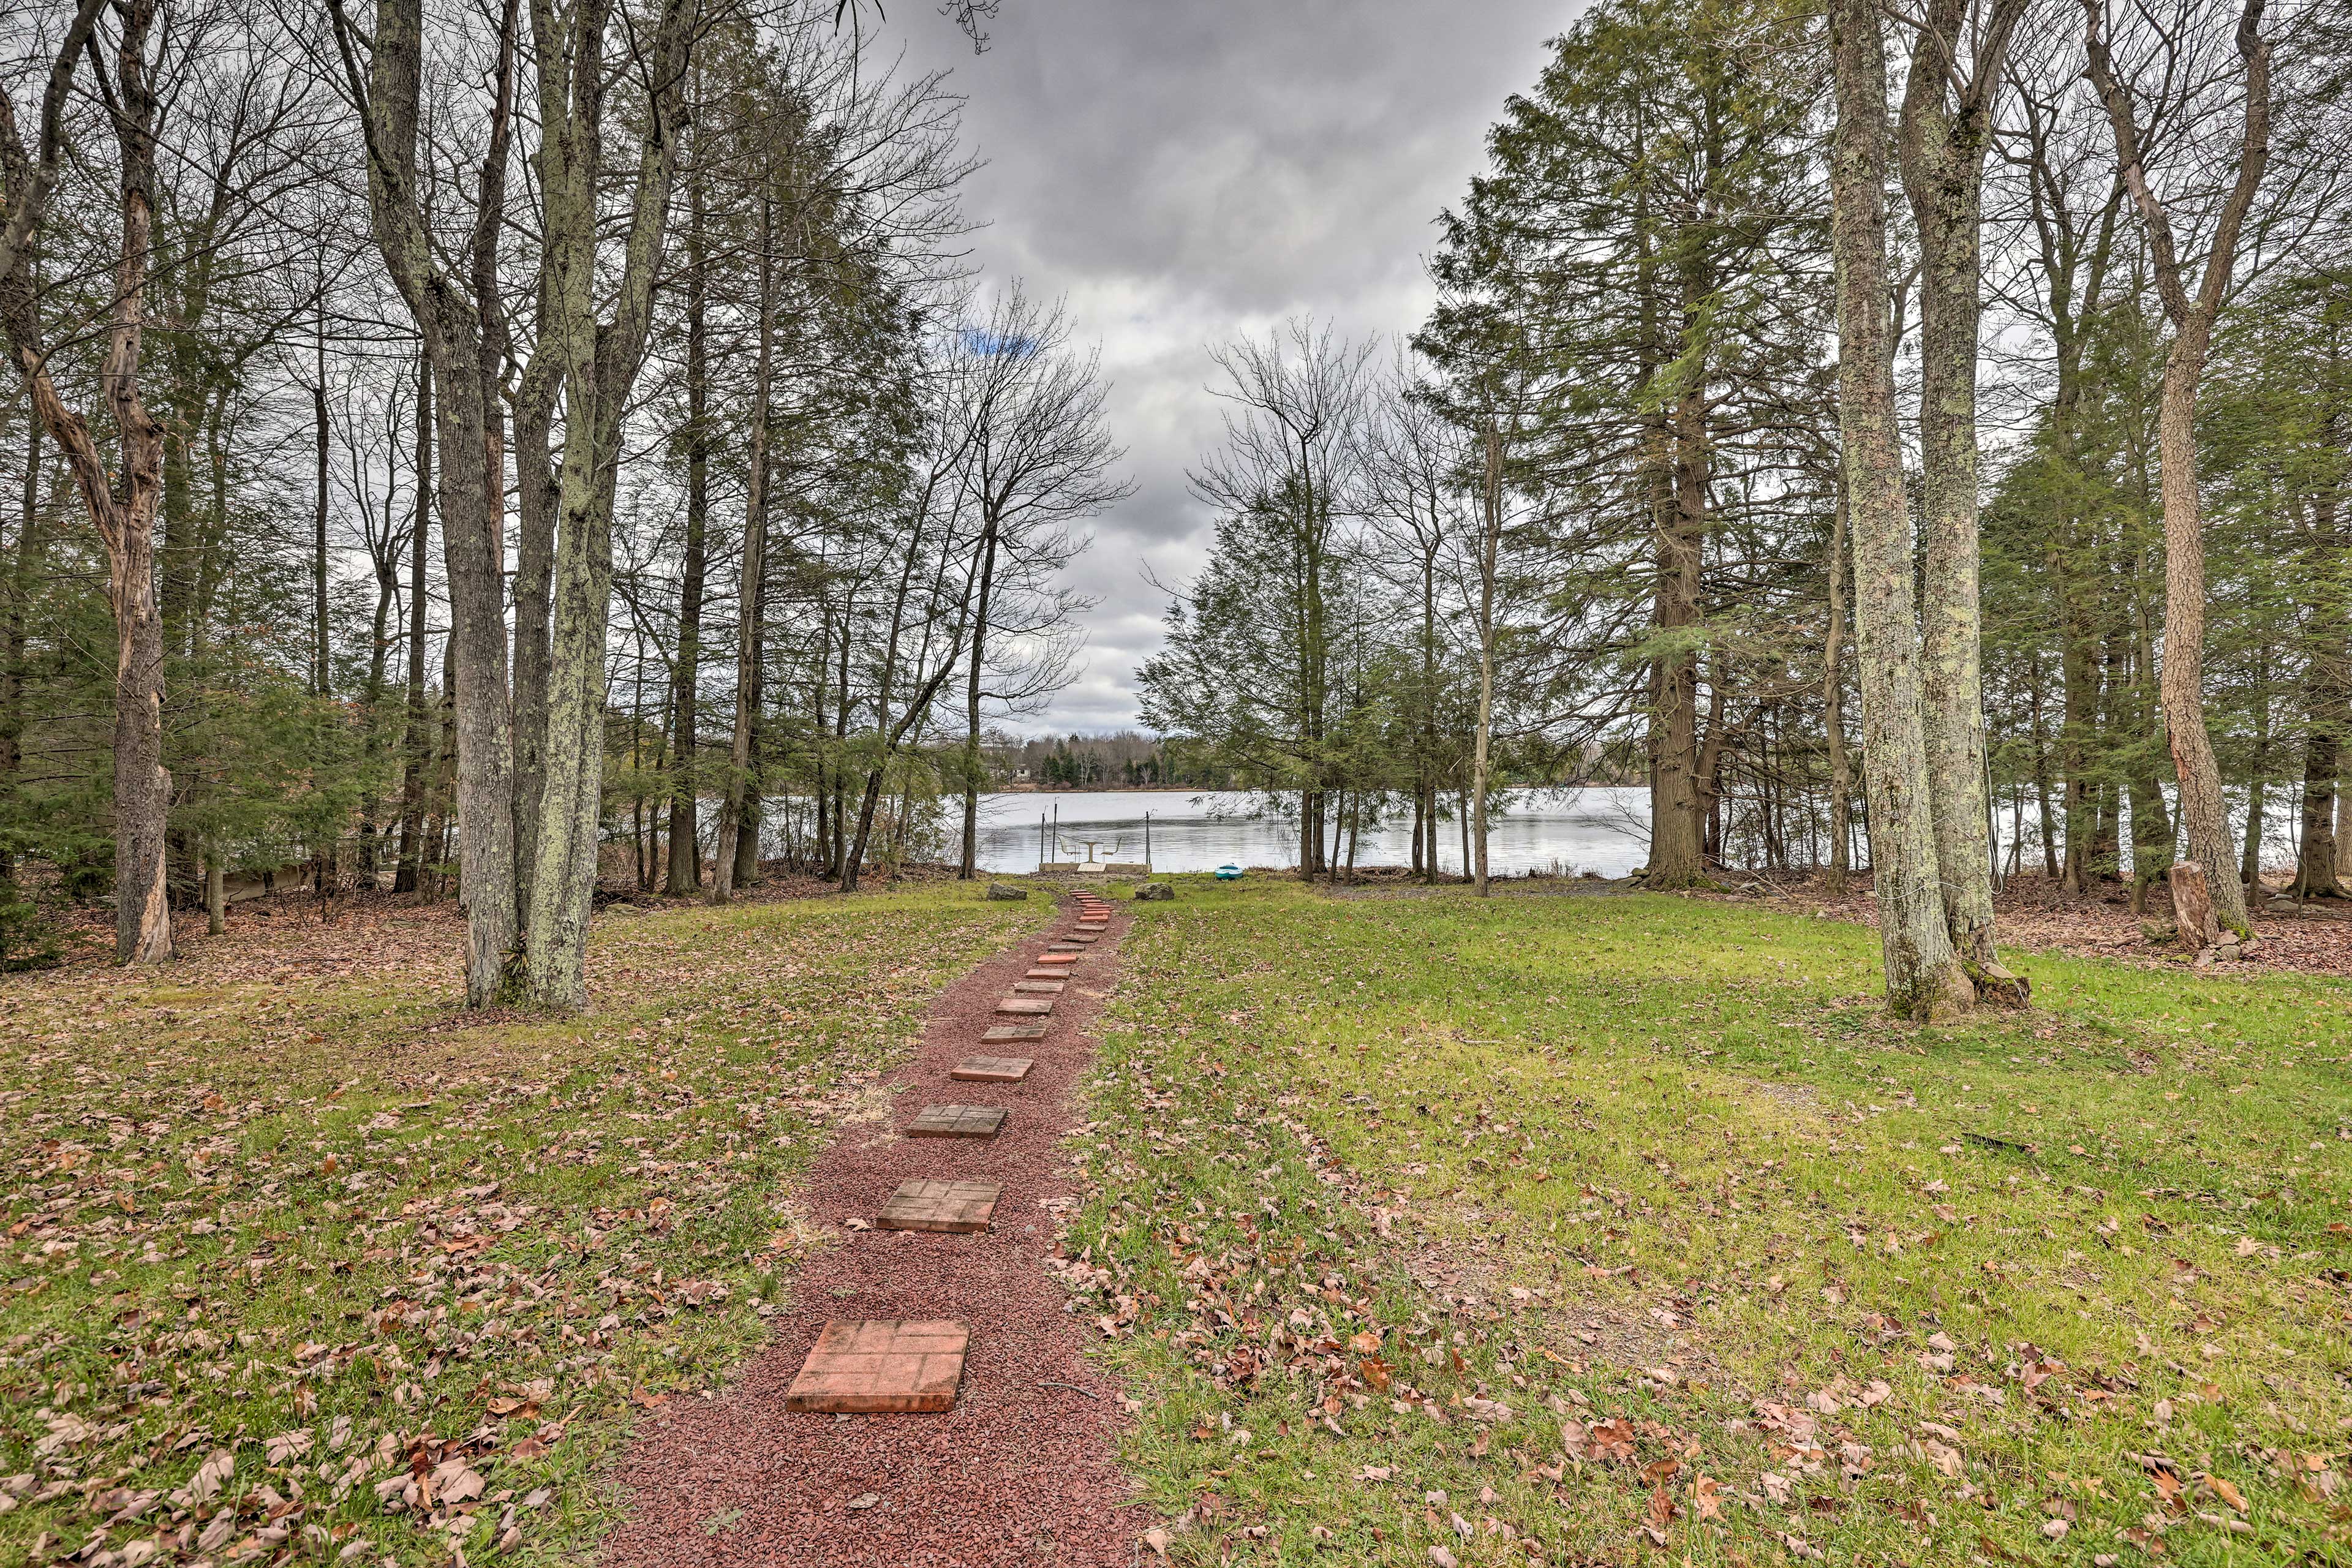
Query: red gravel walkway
point(1017, 1472)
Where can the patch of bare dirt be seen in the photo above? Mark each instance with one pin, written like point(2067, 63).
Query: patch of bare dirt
point(1582, 1318)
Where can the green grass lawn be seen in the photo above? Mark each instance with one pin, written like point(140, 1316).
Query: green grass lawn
point(303, 1265)
point(1627, 1229)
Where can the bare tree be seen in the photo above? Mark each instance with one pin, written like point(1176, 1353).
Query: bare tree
point(122, 504)
point(1411, 471)
point(1040, 460)
point(460, 317)
point(2192, 305)
point(531, 761)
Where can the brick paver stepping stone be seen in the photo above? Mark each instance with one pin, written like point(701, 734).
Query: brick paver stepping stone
point(1005, 1034)
point(992, 1069)
point(1052, 957)
point(1047, 972)
point(1078, 936)
point(956, 1208)
point(1026, 1006)
point(1040, 987)
point(881, 1365)
point(957, 1121)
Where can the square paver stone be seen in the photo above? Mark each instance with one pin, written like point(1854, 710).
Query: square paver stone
point(953, 1207)
point(1005, 1034)
point(1040, 987)
point(993, 1069)
point(957, 1121)
point(1057, 958)
point(1047, 972)
point(1025, 1007)
point(881, 1365)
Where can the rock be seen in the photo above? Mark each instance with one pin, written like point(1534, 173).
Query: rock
point(2158, 931)
point(1156, 893)
point(2192, 907)
point(1007, 893)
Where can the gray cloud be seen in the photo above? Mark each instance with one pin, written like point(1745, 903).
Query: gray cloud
point(1185, 170)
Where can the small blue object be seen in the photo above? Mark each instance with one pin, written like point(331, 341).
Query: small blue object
point(1229, 872)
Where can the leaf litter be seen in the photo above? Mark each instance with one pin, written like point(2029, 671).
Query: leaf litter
point(1414, 1369)
point(303, 1265)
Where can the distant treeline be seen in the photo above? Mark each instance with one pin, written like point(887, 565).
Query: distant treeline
point(1126, 760)
point(1130, 760)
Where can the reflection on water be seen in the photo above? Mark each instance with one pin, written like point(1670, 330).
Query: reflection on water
point(1597, 828)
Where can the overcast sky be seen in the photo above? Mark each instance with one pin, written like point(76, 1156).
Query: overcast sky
point(1183, 170)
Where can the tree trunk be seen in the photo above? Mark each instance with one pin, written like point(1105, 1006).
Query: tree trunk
point(2316, 876)
point(2343, 828)
point(746, 838)
point(2250, 864)
point(417, 737)
point(2192, 907)
point(734, 867)
point(1840, 866)
point(19, 584)
point(460, 325)
point(1461, 805)
point(968, 864)
point(686, 872)
point(1924, 978)
point(2042, 793)
point(2327, 684)
point(1489, 542)
point(599, 358)
point(387, 594)
point(2204, 814)
point(1946, 128)
point(1678, 815)
point(322, 679)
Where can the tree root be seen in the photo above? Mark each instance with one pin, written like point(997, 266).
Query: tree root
point(1996, 986)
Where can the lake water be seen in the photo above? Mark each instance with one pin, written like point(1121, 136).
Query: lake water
point(1597, 828)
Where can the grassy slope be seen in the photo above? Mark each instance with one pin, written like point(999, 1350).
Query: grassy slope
point(1794, 1282)
point(330, 1231)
